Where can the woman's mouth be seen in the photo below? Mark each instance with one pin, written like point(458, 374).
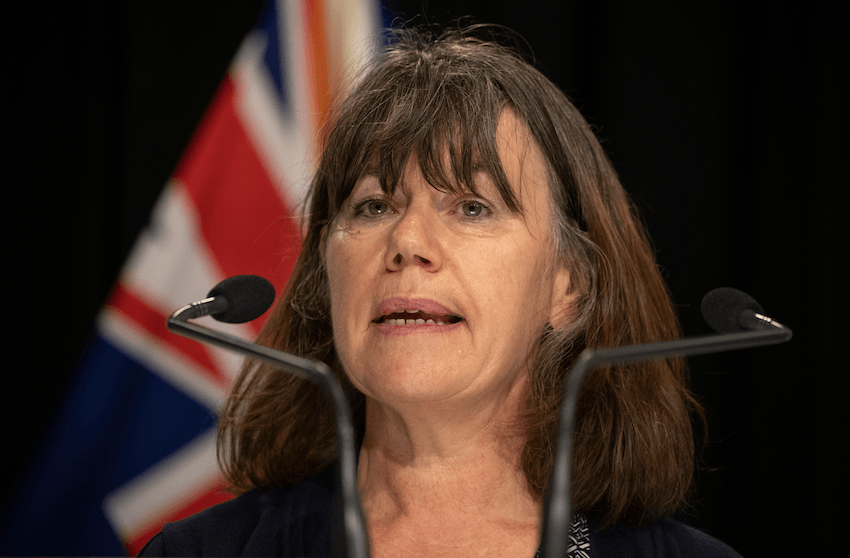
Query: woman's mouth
point(408, 313)
point(417, 317)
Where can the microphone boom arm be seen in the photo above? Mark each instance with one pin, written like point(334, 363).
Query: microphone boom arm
point(557, 512)
point(353, 522)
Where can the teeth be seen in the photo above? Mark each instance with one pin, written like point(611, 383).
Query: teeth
point(417, 321)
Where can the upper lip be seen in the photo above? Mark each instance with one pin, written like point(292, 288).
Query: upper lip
point(423, 305)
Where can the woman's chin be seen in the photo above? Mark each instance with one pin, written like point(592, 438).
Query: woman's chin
point(413, 386)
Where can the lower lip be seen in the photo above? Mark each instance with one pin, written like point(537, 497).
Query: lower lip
point(411, 329)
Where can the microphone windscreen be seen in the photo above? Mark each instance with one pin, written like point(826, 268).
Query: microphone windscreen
point(248, 296)
point(722, 309)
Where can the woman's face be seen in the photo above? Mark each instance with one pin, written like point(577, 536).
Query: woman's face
point(436, 296)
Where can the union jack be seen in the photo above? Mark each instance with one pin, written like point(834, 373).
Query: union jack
point(135, 445)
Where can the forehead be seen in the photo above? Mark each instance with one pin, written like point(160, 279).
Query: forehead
point(518, 153)
point(524, 165)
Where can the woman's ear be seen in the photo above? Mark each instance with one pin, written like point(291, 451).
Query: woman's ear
point(564, 296)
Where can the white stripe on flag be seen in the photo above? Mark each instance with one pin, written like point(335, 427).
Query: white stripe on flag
point(282, 148)
point(170, 265)
point(352, 32)
point(169, 485)
point(160, 359)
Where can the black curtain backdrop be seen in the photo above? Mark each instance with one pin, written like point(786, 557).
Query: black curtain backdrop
point(726, 121)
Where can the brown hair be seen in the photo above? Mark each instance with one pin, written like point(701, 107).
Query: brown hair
point(433, 93)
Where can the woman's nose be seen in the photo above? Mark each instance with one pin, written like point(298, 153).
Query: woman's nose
point(413, 241)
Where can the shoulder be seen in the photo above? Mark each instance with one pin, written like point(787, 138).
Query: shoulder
point(667, 538)
point(292, 521)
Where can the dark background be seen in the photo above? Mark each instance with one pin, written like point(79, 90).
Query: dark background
point(726, 120)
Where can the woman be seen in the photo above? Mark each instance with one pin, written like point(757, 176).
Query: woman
point(466, 239)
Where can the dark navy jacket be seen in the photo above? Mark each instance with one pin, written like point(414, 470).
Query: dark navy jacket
point(296, 522)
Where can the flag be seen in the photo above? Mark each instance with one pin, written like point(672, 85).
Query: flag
point(134, 443)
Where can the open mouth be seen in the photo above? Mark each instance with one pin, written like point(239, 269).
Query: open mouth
point(416, 317)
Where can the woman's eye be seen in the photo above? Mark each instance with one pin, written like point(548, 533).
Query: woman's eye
point(372, 208)
point(473, 209)
point(377, 207)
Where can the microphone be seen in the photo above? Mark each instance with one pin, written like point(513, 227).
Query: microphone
point(245, 297)
point(740, 324)
point(235, 300)
point(728, 310)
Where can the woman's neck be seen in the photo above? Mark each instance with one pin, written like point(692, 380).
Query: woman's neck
point(440, 471)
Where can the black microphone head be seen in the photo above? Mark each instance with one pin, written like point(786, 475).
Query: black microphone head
point(723, 308)
point(248, 296)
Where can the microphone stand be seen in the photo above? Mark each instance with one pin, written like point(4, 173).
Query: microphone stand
point(350, 514)
point(557, 512)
